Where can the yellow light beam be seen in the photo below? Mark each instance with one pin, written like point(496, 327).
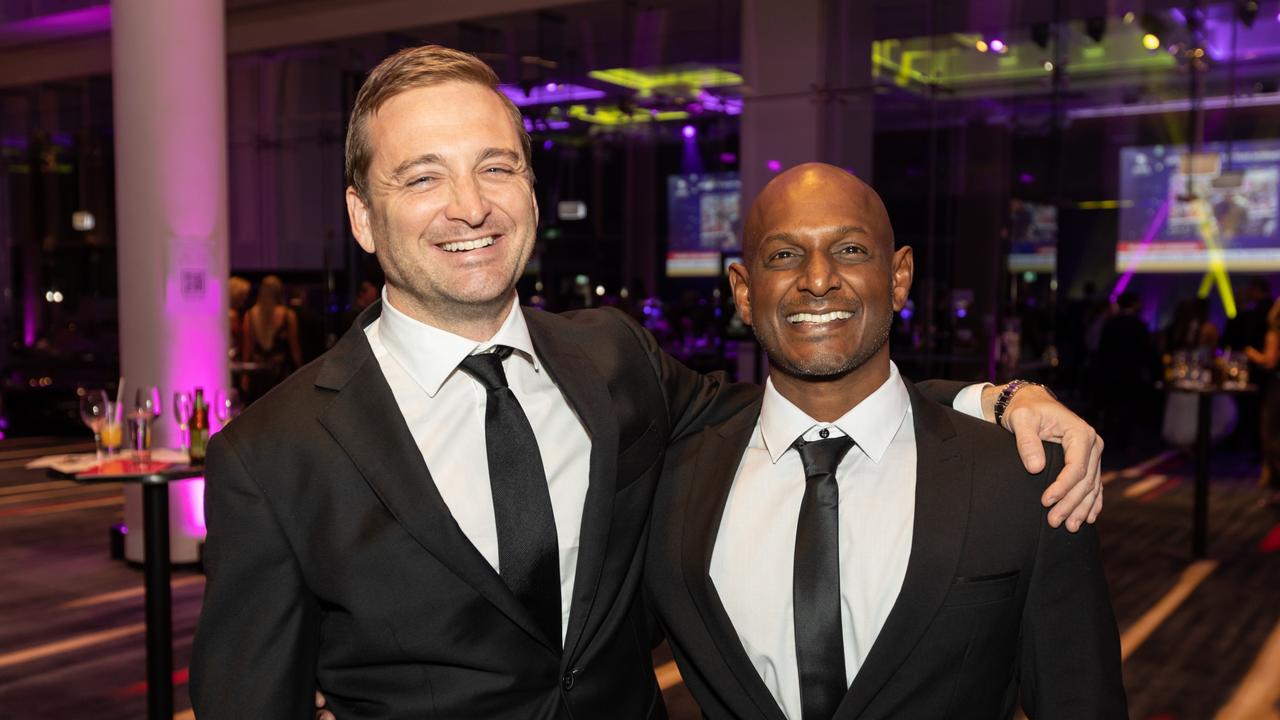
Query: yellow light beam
point(1217, 265)
point(1137, 634)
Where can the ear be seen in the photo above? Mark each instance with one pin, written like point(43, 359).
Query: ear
point(903, 272)
point(361, 225)
point(740, 285)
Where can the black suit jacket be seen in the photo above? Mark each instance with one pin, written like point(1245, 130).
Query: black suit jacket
point(333, 560)
point(993, 597)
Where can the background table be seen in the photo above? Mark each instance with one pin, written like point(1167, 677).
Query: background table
point(154, 479)
point(1204, 416)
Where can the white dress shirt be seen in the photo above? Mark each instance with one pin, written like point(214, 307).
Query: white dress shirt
point(754, 553)
point(444, 409)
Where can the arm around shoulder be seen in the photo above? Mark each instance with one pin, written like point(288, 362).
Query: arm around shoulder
point(694, 400)
point(1069, 659)
point(255, 646)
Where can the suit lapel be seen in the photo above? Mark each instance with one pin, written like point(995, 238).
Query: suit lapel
point(943, 482)
point(366, 422)
point(588, 395)
point(719, 453)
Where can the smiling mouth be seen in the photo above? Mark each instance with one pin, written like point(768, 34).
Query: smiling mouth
point(467, 245)
point(818, 318)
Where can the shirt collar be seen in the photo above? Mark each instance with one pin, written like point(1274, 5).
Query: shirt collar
point(430, 355)
point(872, 423)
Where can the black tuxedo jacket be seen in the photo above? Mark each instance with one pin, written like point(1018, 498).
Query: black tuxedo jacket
point(332, 559)
point(993, 597)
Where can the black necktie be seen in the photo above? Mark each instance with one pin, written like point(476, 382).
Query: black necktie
point(816, 585)
point(528, 554)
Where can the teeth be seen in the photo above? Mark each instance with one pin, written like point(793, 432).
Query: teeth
point(464, 245)
point(817, 319)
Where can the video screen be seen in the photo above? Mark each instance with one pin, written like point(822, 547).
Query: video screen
point(1179, 210)
point(1033, 237)
point(704, 222)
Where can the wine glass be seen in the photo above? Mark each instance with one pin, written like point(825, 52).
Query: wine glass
point(227, 406)
point(146, 407)
point(146, 402)
point(182, 409)
point(93, 412)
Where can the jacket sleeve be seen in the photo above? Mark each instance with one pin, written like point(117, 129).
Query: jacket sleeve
point(694, 401)
point(1069, 659)
point(255, 647)
point(942, 392)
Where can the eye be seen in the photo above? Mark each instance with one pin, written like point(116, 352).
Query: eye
point(852, 250)
point(498, 170)
point(782, 255)
point(421, 181)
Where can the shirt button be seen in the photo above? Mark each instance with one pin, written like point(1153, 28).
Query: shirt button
point(567, 681)
point(824, 433)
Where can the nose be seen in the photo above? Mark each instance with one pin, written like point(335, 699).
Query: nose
point(467, 202)
point(819, 275)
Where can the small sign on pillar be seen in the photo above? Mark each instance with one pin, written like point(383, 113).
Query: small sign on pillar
point(187, 285)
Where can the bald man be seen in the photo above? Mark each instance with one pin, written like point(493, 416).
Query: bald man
point(843, 548)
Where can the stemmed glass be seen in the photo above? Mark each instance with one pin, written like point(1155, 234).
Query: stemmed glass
point(182, 409)
point(146, 407)
point(227, 406)
point(93, 412)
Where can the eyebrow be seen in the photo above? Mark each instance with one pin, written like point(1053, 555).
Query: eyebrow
point(841, 230)
point(503, 153)
point(435, 159)
point(404, 167)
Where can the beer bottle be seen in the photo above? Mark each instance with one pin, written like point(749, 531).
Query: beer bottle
point(199, 427)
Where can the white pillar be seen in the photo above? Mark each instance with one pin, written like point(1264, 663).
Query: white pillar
point(169, 89)
point(807, 69)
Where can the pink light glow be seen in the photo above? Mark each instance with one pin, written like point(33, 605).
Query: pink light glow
point(190, 510)
point(997, 45)
point(774, 165)
point(46, 28)
point(1150, 235)
point(689, 132)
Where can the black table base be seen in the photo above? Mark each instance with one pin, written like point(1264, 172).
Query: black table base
point(159, 616)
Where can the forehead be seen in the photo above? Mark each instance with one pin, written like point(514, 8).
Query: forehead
point(816, 202)
point(447, 117)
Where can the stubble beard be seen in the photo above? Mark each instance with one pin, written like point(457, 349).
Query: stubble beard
point(826, 368)
point(436, 299)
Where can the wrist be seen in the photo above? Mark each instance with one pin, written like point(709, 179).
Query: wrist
point(1005, 400)
point(990, 394)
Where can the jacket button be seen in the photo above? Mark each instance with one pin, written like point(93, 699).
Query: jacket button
point(567, 681)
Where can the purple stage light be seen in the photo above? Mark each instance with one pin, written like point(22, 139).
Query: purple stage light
point(547, 144)
point(545, 95)
point(1027, 178)
point(1161, 214)
point(689, 131)
point(997, 45)
point(728, 157)
point(773, 165)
